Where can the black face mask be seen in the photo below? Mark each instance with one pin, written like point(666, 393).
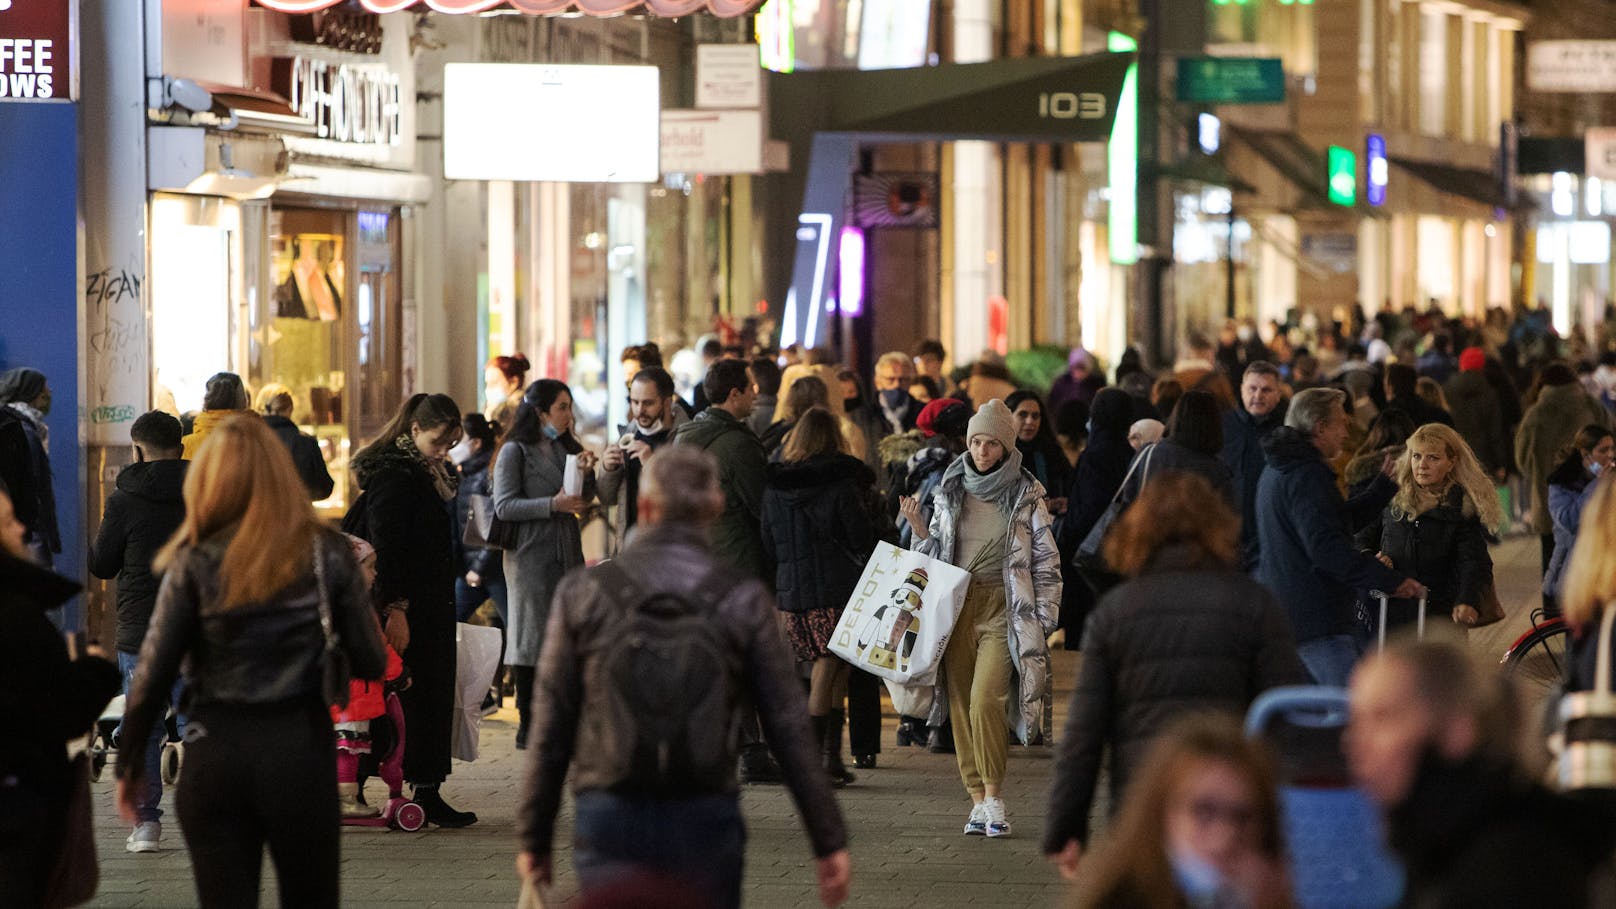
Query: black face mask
point(851, 403)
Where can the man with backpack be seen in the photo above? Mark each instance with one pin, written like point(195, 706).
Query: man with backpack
point(660, 650)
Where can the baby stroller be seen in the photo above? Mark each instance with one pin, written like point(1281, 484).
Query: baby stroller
point(386, 760)
point(1337, 856)
point(104, 742)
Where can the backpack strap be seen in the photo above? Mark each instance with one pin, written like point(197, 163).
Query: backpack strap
point(713, 587)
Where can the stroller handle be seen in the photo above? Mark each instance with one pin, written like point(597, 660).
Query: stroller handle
point(1304, 699)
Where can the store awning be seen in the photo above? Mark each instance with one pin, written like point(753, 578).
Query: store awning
point(1475, 185)
point(1204, 170)
point(255, 108)
point(668, 8)
point(1299, 163)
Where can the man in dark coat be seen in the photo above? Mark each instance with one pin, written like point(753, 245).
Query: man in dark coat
point(1305, 533)
point(144, 510)
point(1432, 744)
point(1244, 429)
point(275, 403)
point(1478, 414)
point(52, 698)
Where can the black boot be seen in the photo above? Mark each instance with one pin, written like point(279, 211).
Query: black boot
point(522, 724)
point(438, 811)
point(942, 739)
point(831, 748)
point(911, 731)
point(757, 766)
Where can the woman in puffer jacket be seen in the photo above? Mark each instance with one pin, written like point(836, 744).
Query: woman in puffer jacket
point(1570, 486)
point(1435, 528)
point(988, 517)
point(818, 530)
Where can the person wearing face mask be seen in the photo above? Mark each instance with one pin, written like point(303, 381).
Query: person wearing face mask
point(1435, 529)
point(1431, 742)
point(529, 469)
point(25, 399)
point(503, 381)
point(1200, 828)
point(405, 511)
point(1571, 485)
point(988, 517)
point(652, 418)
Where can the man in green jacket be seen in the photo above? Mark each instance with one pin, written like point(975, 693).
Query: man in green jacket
point(721, 429)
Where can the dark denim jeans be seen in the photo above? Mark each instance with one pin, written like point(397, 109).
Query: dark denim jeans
point(1330, 659)
point(468, 598)
point(696, 842)
point(151, 784)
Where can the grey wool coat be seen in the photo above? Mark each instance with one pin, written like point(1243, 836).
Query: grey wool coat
point(548, 545)
point(1032, 583)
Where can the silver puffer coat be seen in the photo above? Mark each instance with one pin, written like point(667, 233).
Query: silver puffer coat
point(1032, 583)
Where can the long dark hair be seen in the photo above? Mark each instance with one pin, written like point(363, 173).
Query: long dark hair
point(1196, 423)
point(1046, 431)
point(430, 412)
point(540, 396)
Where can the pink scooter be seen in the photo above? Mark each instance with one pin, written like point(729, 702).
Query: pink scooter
point(399, 813)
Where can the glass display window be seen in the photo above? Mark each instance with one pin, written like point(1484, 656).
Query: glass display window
point(195, 281)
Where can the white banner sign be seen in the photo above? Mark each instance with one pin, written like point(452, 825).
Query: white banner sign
point(712, 142)
point(1600, 145)
point(728, 76)
point(1571, 66)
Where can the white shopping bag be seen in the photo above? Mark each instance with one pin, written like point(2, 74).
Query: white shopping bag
point(900, 616)
point(572, 479)
point(476, 659)
point(911, 700)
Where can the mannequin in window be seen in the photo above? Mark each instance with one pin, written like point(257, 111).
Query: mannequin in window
point(312, 291)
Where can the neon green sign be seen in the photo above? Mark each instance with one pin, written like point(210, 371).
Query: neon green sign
point(1342, 168)
point(1122, 162)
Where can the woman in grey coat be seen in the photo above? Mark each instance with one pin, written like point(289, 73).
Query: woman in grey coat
point(988, 517)
point(528, 472)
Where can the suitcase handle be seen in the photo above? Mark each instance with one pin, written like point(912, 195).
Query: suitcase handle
point(1385, 598)
point(1318, 706)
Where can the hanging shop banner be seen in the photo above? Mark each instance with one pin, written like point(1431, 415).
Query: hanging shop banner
point(712, 142)
point(38, 59)
point(1571, 66)
point(1600, 145)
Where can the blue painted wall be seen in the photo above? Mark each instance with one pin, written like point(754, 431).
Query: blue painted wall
point(39, 290)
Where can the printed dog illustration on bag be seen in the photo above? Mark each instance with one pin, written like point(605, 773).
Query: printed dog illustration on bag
point(889, 634)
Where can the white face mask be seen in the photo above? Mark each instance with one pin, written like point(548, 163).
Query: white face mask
point(1243, 333)
point(461, 453)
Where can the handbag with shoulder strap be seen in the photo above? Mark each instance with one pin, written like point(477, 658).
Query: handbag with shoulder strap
point(1090, 553)
point(76, 872)
point(335, 669)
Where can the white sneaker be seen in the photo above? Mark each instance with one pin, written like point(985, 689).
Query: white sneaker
point(998, 820)
point(977, 823)
point(145, 838)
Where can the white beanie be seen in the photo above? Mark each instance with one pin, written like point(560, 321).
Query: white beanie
point(994, 420)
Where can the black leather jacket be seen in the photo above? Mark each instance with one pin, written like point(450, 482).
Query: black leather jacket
point(259, 654)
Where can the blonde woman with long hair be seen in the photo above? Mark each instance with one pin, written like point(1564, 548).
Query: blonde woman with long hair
point(1435, 528)
point(248, 581)
point(1590, 581)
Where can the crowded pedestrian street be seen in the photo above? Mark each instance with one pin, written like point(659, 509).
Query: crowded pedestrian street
point(899, 817)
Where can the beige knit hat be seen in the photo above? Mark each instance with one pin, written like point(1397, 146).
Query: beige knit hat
point(994, 420)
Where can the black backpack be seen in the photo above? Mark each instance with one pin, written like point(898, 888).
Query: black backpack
point(665, 684)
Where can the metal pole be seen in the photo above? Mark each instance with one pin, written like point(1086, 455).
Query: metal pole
point(1229, 276)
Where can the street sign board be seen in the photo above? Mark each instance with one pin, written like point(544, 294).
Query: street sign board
point(1231, 80)
point(728, 76)
point(1600, 144)
point(712, 142)
point(1571, 66)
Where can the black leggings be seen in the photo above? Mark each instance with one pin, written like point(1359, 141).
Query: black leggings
point(256, 776)
point(524, 676)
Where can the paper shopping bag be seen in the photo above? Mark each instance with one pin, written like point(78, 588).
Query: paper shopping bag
point(900, 616)
point(476, 658)
point(572, 479)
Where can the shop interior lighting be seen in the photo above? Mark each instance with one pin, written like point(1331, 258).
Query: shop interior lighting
point(1209, 133)
point(1562, 197)
point(1593, 193)
point(816, 301)
point(850, 271)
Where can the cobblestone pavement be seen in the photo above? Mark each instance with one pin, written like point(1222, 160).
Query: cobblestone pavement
point(905, 820)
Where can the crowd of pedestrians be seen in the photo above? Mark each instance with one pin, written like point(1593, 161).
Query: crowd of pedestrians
point(1202, 533)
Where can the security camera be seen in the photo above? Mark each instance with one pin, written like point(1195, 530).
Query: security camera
point(189, 95)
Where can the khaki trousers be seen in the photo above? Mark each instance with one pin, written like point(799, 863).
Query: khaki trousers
point(977, 666)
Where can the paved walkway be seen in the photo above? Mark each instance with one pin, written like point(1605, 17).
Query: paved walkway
point(905, 820)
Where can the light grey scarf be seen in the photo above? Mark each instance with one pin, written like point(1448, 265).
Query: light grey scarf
point(999, 487)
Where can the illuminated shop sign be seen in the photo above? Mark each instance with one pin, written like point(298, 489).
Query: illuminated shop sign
point(347, 103)
point(1378, 169)
point(36, 51)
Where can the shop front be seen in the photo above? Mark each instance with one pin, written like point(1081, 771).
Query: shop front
point(279, 228)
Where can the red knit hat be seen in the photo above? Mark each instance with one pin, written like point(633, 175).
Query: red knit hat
point(927, 421)
point(1473, 359)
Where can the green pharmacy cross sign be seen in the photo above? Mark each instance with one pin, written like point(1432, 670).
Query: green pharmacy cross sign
point(1231, 80)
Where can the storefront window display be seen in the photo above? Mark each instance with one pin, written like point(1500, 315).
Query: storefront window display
point(325, 327)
